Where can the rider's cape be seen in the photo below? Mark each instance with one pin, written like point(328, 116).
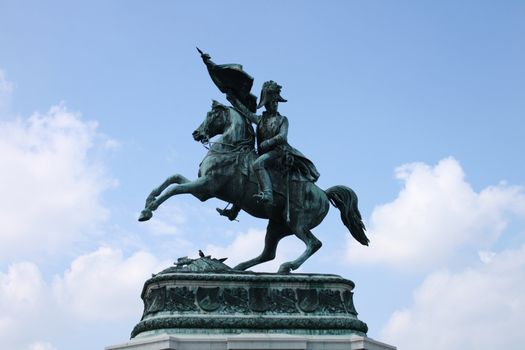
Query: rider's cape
point(304, 166)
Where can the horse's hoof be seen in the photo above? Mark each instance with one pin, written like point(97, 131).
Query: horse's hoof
point(284, 269)
point(145, 215)
point(240, 267)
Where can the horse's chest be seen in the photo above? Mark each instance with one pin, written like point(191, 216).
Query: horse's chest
point(217, 165)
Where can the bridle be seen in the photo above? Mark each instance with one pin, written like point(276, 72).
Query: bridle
point(242, 146)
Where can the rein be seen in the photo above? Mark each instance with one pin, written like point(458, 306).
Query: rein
point(242, 146)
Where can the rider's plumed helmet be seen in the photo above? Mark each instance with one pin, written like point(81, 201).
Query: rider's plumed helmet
point(271, 91)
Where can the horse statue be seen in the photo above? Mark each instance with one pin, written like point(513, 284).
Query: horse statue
point(224, 173)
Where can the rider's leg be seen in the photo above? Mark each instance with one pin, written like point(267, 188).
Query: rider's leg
point(231, 213)
point(265, 183)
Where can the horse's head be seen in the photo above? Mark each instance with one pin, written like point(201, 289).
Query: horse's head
point(214, 124)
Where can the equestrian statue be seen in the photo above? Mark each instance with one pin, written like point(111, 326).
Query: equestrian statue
point(272, 181)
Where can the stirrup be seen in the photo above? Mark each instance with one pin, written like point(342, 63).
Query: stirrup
point(229, 213)
point(265, 197)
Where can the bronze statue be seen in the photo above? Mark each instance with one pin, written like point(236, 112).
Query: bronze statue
point(276, 182)
point(272, 141)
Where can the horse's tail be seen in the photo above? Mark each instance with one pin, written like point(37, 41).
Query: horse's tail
point(345, 199)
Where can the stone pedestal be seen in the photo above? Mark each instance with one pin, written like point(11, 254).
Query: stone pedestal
point(252, 341)
point(245, 302)
point(202, 304)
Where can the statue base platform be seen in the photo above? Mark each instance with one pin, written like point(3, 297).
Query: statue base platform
point(204, 304)
point(252, 341)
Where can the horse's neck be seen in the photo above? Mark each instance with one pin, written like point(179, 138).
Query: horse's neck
point(235, 132)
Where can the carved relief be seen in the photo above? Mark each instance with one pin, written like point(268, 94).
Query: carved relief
point(181, 299)
point(330, 301)
point(283, 300)
point(308, 299)
point(258, 299)
point(348, 300)
point(208, 298)
point(235, 300)
point(155, 300)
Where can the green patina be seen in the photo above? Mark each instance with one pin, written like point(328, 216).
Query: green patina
point(206, 296)
point(272, 181)
point(257, 171)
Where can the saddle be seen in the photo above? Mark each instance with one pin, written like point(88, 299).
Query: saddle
point(280, 176)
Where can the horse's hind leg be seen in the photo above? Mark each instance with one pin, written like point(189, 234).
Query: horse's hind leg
point(312, 245)
point(274, 233)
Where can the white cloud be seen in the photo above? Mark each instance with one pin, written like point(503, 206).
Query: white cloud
point(486, 256)
point(249, 245)
point(6, 89)
point(23, 297)
point(105, 285)
point(50, 184)
point(167, 221)
point(478, 308)
point(435, 214)
point(99, 289)
point(40, 345)
point(21, 286)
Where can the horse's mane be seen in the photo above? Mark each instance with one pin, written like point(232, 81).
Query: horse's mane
point(248, 128)
point(228, 153)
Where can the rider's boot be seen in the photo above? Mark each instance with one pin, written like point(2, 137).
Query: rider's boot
point(231, 214)
point(265, 185)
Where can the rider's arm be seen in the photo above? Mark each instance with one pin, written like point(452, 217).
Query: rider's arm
point(280, 138)
point(254, 118)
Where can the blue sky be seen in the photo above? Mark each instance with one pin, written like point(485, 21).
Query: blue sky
point(418, 106)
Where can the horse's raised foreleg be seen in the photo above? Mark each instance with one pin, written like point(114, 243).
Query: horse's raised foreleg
point(174, 179)
point(312, 245)
point(274, 233)
point(200, 188)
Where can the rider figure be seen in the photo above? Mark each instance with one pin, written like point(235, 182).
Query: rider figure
point(272, 128)
point(272, 144)
point(272, 134)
